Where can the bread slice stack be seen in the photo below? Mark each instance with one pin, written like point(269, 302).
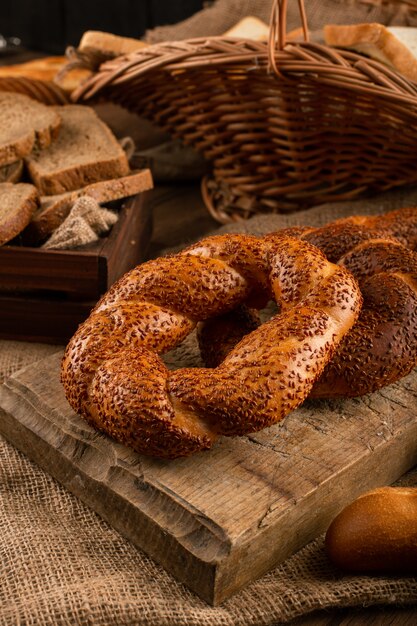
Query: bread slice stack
point(85, 152)
point(65, 152)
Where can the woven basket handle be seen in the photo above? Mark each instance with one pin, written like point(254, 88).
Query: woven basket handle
point(278, 28)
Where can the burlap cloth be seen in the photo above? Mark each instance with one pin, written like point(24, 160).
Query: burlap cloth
point(61, 564)
point(223, 14)
point(85, 223)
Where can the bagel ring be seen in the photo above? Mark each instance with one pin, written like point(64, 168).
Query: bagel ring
point(112, 373)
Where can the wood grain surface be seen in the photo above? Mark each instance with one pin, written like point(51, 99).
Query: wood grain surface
point(219, 519)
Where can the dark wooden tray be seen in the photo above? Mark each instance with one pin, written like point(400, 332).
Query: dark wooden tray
point(45, 294)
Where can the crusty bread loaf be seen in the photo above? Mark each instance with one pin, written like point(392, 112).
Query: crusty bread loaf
point(11, 173)
point(54, 209)
point(377, 533)
point(85, 152)
point(395, 46)
point(17, 205)
point(24, 124)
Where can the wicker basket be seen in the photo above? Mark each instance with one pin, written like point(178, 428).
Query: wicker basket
point(44, 91)
point(285, 126)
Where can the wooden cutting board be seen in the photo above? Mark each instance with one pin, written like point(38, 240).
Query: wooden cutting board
point(222, 518)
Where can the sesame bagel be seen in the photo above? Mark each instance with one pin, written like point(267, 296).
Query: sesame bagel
point(114, 377)
point(382, 346)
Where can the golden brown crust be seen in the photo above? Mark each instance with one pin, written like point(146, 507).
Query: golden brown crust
point(217, 336)
point(114, 378)
point(382, 346)
point(377, 533)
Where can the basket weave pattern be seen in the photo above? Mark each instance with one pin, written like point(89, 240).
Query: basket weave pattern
point(46, 92)
point(285, 126)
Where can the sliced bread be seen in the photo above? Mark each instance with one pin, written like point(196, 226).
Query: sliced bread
point(86, 151)
point(17, 205)
point(24, 124)
point(54, 209)
point(395, 46)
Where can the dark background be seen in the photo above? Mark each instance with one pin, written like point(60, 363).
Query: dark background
point(51, 25)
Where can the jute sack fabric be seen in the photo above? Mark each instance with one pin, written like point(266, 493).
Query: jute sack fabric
point(85, 223)
point(223, 14)
point(60, 564)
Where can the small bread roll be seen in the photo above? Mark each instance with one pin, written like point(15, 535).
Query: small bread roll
point(377, 533)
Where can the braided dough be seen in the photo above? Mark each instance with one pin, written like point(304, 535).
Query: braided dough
point(382, 346)
point(114, 378)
